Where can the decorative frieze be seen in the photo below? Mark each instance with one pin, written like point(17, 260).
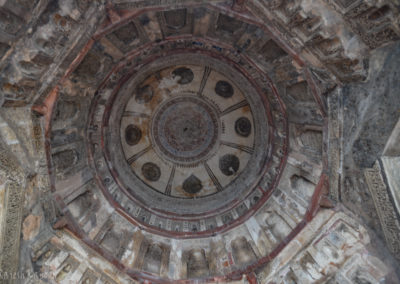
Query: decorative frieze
point(384, 206)
point(12, 214)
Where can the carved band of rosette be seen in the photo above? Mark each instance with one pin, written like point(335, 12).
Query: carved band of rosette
point(384, 206)
point(10, 223)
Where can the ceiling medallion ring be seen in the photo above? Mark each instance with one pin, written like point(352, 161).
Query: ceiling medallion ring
point(177, 223)
point(172, 120)
point(185, 130)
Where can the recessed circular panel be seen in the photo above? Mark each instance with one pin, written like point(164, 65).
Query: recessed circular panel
point(143, 94)
point(224, 89)
point(185, 130)
point(192, 185)
point(229, 164)
point(151, 171)
point(185, 75)
point(243, 126)
point(133, 134)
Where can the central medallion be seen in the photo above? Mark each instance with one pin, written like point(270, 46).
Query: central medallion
point(186, 143)
point(185, 130)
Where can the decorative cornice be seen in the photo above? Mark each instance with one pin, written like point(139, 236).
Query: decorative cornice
point(12, 215)
point(385, 207)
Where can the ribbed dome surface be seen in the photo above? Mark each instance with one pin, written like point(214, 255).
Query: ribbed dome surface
point(169, 141)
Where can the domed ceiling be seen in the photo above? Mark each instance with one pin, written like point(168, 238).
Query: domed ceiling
point(184, 142)
point(188, 142)
point(188, 139)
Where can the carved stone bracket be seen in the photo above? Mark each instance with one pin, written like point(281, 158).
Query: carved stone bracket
point(383, 201)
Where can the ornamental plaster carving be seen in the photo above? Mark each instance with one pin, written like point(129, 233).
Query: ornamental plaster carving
point(10, 225)
point(384, 205)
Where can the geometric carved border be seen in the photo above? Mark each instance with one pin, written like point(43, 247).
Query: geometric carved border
point(12, 217)
point(385, 208)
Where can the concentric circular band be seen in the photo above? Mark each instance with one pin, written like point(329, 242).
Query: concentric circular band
point(185, 130)
point(160, 191)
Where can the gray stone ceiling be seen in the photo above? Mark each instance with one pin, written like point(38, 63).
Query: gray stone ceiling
point(194, 140)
